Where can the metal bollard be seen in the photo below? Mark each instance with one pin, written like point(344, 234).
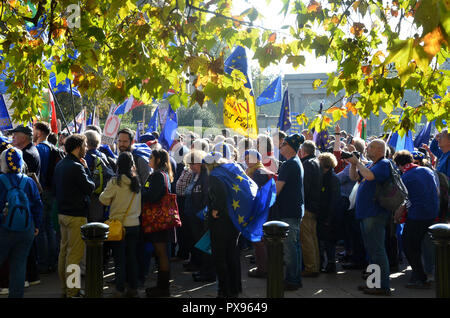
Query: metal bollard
point(94, 234)
point(440, 234)
point(274, 234)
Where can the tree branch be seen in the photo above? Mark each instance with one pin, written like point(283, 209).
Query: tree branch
point(340, 20)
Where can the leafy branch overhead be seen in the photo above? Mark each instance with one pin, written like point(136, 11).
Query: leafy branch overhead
point(145, 48)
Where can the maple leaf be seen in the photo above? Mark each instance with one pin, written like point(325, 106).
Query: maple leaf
point(272, 37)
point(433, 41)
point(367, 69)
point(357, 29)
point(351, 108)
point(314, 6)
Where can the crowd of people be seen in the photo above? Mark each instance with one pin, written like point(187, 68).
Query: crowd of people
point(326, 196)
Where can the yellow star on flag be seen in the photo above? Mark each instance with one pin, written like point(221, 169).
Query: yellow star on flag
point(235, 204)
point(240, 178)
point(236, 188)
point(240, 219)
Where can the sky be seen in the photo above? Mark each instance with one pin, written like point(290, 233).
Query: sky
point(272, 19)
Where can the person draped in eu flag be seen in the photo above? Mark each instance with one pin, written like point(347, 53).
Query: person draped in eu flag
point(235, 205)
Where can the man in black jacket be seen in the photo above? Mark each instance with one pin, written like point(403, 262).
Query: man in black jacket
point(72, 187)
point(312, 184)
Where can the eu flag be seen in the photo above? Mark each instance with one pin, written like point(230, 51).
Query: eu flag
point(284, 121)
point(248, 206)
point(321, 139)
point(153, 123)
point(402, 143)
point(238, 61)
point(271, 94)
point(5, 120)
point(170, 128)
point(423, 137)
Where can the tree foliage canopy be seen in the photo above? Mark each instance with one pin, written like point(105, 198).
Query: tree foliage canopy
point(145, 48)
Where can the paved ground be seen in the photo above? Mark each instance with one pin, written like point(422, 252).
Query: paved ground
point(341, 285)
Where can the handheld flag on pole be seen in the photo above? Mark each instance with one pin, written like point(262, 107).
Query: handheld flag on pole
point(361, 128)
point(284, 121)
point(53, 119)
point(423, 137)
point(402, 143)
point(169, 130)
point(240, 117)
point(153, 123)
point(271, 94)
point(5, 120)
point(128, 105)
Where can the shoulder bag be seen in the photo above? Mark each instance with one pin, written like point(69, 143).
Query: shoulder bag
point(161, 215)
point(116, 229)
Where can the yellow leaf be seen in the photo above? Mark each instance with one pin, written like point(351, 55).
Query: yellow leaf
point(123, 12)
point(355, 5)
point(335, 19)
point(332, 109)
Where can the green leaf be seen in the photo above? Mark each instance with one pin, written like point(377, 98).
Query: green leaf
point(296, 60)
point(427, 15)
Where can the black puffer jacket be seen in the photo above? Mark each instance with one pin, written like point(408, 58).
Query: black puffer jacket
point(312, 183)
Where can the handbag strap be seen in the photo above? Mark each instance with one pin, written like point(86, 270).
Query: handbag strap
point(129, 206)
point(166, 182)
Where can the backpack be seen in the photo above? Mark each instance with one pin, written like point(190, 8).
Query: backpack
point(16, 215)
point(392, 193)
point(101, 174)
point(55, 156)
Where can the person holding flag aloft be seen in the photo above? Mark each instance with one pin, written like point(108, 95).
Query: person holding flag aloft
point(235, 205)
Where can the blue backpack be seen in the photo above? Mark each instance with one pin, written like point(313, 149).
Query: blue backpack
point(17, 216)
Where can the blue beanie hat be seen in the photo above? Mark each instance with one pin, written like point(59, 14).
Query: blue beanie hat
point(224, 149)
point(14, 159)
point(418, 155)
point(295, 141)
point(212, 157)
point(253, 153)
point(146, 137)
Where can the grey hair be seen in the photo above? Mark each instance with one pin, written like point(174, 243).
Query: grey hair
point(93, 138)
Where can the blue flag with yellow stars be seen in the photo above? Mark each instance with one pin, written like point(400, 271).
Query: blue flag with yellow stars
point(5, 120)
point(271, 94)
point(153, 123)
point(248, 206)
point(241, 117)
point(284, 121)
point(322, 139)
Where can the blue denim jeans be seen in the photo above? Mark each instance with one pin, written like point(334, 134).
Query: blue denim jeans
point(373, 230)
point(293, 252)
point(16, 246)
point(125, 259)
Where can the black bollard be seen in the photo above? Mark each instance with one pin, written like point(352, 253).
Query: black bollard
point(274, 234)
point(440, 234)
point(94, 234)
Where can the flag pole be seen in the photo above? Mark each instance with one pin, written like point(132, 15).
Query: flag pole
point(59, 108)
point(73, 106)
